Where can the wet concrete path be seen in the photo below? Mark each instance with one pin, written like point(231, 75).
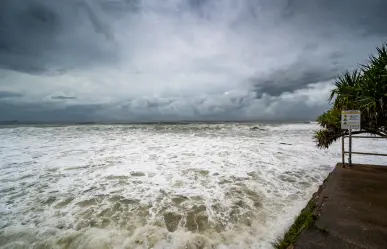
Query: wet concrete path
point(351, 209)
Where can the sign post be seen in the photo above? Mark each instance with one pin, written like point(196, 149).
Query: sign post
point(350, 119)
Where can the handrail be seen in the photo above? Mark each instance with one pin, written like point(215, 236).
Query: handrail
point(365, 153)
point(350, 152)
point(365, 137)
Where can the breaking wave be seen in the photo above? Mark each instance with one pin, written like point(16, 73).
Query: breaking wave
point(157, 186)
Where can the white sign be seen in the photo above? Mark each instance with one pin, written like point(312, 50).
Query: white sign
point(350, 119)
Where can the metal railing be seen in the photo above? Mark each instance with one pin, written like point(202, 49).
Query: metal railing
point(350, 152)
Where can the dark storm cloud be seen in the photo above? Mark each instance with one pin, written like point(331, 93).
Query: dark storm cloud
point(199, 59)
point(297, 76)
point(229, 106)
point(32, 33)
point(7, 94)
point(44, 112)
point(368, 17)
point(60, 97)
point(40, 36)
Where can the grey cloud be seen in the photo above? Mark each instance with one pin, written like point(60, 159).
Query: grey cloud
point(44, 112)
point(61, 26)
point(198, 59)
point(60, 97)
point(369, 16)
point(231, 106)
point(7, 94)
point(303, 105)
point(297, 76)
point(40, 36)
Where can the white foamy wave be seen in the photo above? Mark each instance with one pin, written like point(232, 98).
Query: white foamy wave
point(158, 186)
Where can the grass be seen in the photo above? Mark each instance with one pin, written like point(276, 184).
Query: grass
point(304, 220)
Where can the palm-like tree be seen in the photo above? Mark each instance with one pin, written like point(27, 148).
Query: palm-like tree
point(364, 89)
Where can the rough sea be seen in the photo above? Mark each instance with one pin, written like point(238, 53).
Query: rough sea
point(194, 186)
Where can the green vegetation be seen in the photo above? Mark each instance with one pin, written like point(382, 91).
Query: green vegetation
point(364, 89)
point(304, 220)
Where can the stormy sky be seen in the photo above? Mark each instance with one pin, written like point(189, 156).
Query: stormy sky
point(152, 60)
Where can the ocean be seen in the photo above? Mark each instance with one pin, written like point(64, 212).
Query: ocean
point(159, 185)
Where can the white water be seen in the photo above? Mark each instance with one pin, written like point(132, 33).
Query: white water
point(158, 186)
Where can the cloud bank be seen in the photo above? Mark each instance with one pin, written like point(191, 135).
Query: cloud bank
point(149, 60)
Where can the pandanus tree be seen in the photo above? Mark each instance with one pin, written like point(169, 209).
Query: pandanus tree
point(363, 89)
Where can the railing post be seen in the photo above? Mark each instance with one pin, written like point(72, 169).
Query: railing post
point(342, 151)
point(350, 147)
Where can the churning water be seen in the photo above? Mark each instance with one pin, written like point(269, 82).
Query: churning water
point(157, 186)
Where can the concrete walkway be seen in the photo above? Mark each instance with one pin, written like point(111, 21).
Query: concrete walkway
point(351, 210)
